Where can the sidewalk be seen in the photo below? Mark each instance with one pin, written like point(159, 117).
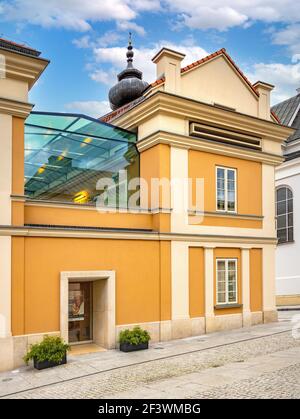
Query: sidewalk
point(26, 378)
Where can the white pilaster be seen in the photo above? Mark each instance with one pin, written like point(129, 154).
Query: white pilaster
point(5, 219)
point(209, 286)
point(5, 168)
point(179, 190)
point(269, 289)
point(5, 287)
point(268, 200)
point(245, 272)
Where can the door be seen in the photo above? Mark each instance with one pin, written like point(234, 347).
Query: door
point(80, 311)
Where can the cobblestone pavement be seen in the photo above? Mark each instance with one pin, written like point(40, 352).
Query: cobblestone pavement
point(280, 384)
point(263, 367)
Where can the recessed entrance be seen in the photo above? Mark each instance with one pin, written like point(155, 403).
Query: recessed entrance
point(80, 312)
point(87, 307)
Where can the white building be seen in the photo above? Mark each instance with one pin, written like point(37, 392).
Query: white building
point(288, 207)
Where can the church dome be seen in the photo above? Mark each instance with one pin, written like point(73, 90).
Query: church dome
point(130, 85)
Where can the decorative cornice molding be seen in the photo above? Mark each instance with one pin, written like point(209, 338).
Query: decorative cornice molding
point(15, 108)
point(23, 67)
point(186, 108)
point(182, 141)
point(85, 207)
point(55, 231)
point(226, 215)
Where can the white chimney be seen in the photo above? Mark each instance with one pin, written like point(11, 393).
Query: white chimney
point(168, 66)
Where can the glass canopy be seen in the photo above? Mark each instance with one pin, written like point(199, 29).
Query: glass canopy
point(67, 154)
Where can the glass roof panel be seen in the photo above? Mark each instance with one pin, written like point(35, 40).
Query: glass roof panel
point(66, 155)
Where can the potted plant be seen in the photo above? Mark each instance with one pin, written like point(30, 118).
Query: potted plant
point(134, 340)
point(52, 351)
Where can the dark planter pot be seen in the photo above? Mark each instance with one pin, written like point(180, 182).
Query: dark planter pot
point(41, 365)
point(128, 347)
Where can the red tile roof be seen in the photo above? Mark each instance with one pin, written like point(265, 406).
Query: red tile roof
point(276, 117)
point(5, 43)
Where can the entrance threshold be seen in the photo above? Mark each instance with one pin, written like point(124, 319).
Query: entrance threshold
point(86, 348)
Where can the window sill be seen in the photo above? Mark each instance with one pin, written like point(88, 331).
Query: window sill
point(290, 242)
point(222, 306)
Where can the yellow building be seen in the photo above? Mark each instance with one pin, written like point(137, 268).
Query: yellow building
point(177, 265)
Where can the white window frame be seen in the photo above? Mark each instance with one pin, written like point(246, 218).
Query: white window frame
point(286, 214)
point(226, 190)
point(226, 260)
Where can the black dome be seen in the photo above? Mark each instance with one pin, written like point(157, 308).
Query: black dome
point(130, 85)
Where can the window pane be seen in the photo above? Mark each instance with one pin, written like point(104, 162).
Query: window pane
point(221, 266)
point(220, 173)
point(281, 221)
point(289, 194)
point(231, 185)
point(231, 196)
point(221, 298)
point(290, 220)
point(231, 206)
point(282, 235)
point(231, 175)
point(231, 265)
point(281, 207)
point(290, 205)
point(232, 297)
point(231, 276)
point(290, 234)
point(221, 204)
point(281, 194)
point(221, 184)
point(221, 286)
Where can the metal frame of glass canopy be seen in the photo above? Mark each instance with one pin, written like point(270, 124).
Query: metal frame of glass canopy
point(66, 154)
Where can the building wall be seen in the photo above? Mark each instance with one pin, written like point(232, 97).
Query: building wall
point(215, 82)
point(248, 182)
point(36, 288)
point(287, 254)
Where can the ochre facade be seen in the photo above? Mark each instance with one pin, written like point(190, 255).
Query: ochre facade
point(155, 267)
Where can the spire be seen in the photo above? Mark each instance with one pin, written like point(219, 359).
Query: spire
point(129, 53)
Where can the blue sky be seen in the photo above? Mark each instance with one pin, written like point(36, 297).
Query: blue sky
point(86, 42)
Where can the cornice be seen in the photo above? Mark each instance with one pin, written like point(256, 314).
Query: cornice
point(182, 141)
point(60, 232)
point(186, 108)
point(23, 67)
point(15, 108)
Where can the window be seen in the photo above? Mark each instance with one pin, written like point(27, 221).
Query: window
point(226, 281)
point(226, 189)
point(284, 214)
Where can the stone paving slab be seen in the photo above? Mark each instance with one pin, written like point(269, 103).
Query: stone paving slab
point(232, 380)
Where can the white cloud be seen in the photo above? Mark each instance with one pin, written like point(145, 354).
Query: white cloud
point(116, 57)
point(108, 38)
point(91, 108)
point(285, 77)
point(70, 14)
point(224, 14)
point(107, 77)
point(131, 26)
point(196, 14)
point(289, 37)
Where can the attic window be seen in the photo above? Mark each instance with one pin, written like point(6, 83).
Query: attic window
point(225, 135)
